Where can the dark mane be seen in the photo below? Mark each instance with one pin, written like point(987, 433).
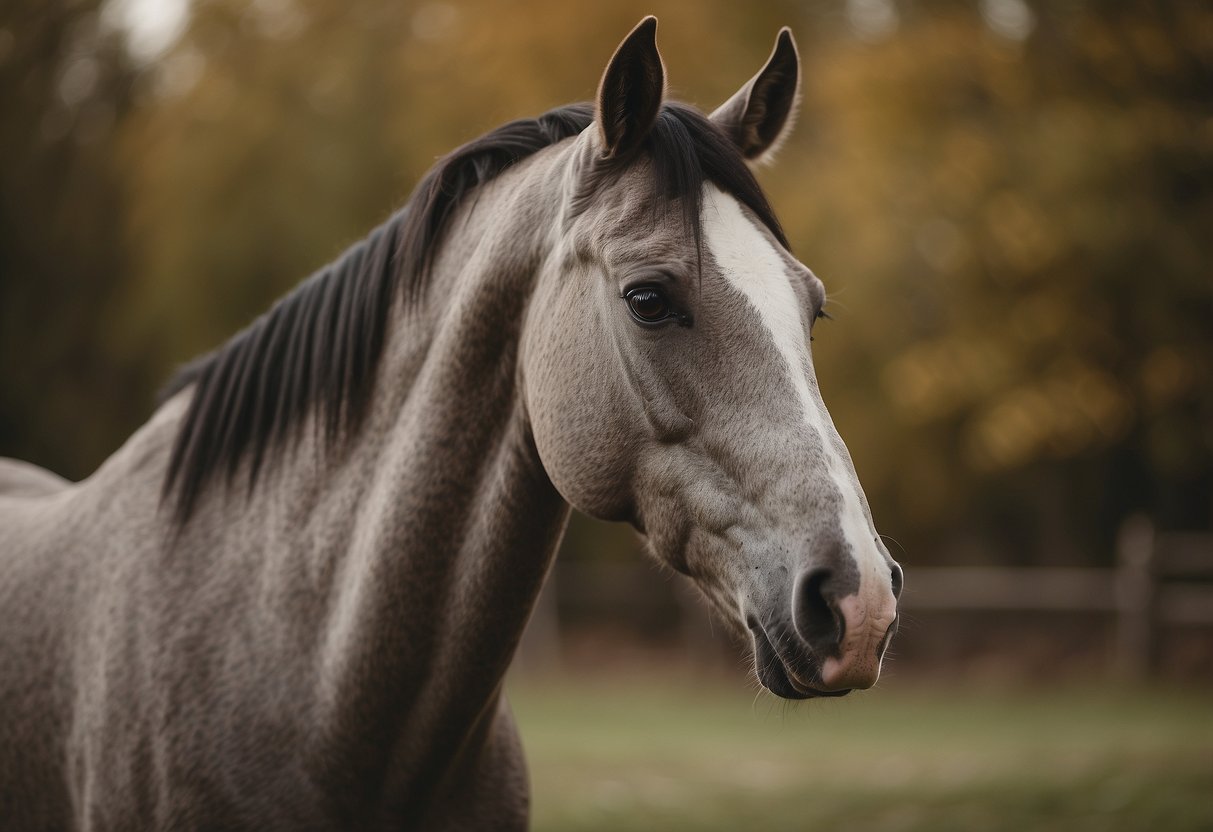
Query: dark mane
point(320, 345)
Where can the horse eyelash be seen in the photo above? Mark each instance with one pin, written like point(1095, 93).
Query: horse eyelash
point(821, 313)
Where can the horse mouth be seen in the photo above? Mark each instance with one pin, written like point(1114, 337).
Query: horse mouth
point(776, 675)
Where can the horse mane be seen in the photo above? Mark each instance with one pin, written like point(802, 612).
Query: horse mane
point(319, 346)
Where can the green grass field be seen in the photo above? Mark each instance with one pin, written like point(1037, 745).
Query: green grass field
point(652, 754)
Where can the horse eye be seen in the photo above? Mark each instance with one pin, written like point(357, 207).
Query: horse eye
point(648, 305)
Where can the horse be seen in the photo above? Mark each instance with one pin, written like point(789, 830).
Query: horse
point(290, 599)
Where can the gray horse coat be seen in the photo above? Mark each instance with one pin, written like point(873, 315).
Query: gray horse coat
point(290, 599)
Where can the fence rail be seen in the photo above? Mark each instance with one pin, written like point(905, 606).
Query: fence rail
point(1155, 583)
point(978, 588)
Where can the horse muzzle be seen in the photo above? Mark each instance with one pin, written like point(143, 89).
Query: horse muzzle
point(829, 645)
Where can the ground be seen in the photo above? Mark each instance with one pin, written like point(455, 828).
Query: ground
point(654, 752)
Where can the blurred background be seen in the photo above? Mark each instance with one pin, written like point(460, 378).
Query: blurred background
point(1011, 204)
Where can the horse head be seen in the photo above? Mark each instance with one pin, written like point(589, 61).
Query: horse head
point(669, 381)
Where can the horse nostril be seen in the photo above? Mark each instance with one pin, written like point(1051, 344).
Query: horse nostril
point(815, 613)
point(898, 581)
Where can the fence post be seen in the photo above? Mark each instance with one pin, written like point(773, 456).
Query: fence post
point(1135, 641)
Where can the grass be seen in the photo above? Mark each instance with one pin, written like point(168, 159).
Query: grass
point(645, 753)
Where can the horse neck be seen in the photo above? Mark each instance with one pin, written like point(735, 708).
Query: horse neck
point(456, 522)
point(422, 542)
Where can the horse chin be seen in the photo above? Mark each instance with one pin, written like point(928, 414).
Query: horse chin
point(776, 677)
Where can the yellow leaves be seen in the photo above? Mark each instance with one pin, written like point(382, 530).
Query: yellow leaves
point(933, 380)
point(1023, 239)
point(943, 245)
point(1039, 319)
point(1073, 407)
point(1167, 374)
point(969, 166)
point(1019, 388)
point(1152, 49)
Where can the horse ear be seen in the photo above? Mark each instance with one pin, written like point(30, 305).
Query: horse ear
point(760, 115)
point(631, 91)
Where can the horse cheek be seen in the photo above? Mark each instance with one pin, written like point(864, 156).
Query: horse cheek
point(582, 420)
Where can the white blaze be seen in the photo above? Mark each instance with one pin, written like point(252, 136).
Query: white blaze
point(757, 270)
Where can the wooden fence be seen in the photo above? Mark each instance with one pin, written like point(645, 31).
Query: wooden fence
point(1160, 580)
